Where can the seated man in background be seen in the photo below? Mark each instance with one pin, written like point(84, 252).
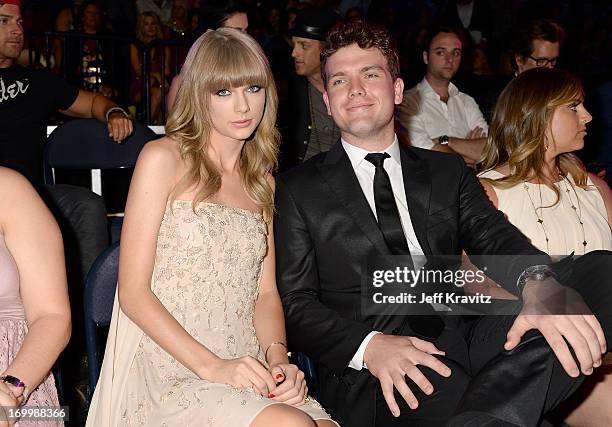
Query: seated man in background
point(306, 127)
point(27, 99)
point(434, 114)
point(536, 45)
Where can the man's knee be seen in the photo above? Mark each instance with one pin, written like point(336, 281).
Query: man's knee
point(86, 202)
point(447, 390)
point(73, 201)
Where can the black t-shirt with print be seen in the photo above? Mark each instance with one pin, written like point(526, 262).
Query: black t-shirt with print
point(28, 97)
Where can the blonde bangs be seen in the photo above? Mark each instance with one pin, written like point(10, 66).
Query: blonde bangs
point(233, 69)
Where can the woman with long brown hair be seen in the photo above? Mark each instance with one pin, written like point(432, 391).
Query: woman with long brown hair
point(530, 172)
point(198, 335)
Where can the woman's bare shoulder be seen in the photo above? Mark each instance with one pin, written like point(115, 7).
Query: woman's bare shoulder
point(13, 184)
point(162, 152)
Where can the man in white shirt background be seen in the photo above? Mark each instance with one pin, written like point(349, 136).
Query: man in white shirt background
point(435, 114)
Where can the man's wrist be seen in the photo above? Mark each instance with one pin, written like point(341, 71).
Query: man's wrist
point(357, 361)
point(443, 140)
point(365, 350)
point(534, 273)
point(116, 109)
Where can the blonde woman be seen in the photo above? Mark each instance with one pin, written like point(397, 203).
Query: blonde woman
point(530, 173)
point(198, 336)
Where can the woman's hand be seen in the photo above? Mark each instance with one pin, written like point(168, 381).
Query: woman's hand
point(7, 400)
point(244, 372)
point(291, 389)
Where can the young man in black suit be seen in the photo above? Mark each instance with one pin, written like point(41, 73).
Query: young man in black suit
point(369, 196)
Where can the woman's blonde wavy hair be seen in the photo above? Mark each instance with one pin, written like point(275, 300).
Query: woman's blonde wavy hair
point(221, 59)
point(522, 115)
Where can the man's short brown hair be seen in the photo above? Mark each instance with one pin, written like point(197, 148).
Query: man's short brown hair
point(365, 36)
point(539, 29)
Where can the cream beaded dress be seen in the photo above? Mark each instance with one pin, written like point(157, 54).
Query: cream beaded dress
point(206, 274)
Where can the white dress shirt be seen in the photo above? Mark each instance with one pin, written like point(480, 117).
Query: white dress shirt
point(364, 170)
point(422, 116)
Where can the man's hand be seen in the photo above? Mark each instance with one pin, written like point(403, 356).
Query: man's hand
point(560, 314)
point(119, 126)
point(476, 133)
point(390, 358)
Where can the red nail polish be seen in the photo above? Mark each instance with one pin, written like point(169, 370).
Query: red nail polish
point(279, 376)
point(271, 396)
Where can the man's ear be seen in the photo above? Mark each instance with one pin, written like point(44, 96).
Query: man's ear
point(425, 57)
point(398, 89)
point(326, 100)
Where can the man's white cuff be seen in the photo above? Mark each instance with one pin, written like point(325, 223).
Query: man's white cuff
point(357, 360)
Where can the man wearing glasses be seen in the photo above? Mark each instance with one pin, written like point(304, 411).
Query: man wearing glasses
point(537, 45)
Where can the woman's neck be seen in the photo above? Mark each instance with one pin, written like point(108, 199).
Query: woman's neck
point(226, 155)
point(550, 170)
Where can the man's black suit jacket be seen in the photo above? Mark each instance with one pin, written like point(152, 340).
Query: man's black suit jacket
point(325, 229)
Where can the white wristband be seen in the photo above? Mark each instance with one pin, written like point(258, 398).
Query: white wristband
point(115, 110)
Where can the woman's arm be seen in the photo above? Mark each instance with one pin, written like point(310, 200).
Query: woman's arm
point(167, 62)
point(269, 319)
point(270, 329)
point(152, 183)
point(135, 60)
point(34, 239)
point(606, 194)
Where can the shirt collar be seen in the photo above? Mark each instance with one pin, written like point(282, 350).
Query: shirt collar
point(357, 155)
point(427, 90)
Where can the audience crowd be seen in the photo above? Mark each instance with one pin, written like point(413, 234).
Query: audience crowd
point(491, 33)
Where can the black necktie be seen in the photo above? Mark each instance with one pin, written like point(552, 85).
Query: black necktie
point(390, 225)
point(386, 210)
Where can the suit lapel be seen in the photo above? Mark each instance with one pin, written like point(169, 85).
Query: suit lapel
point(417, 184)
point(339, 175)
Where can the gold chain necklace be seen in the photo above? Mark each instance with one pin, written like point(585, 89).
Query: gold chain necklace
point(577, 210)
point(539, 216)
